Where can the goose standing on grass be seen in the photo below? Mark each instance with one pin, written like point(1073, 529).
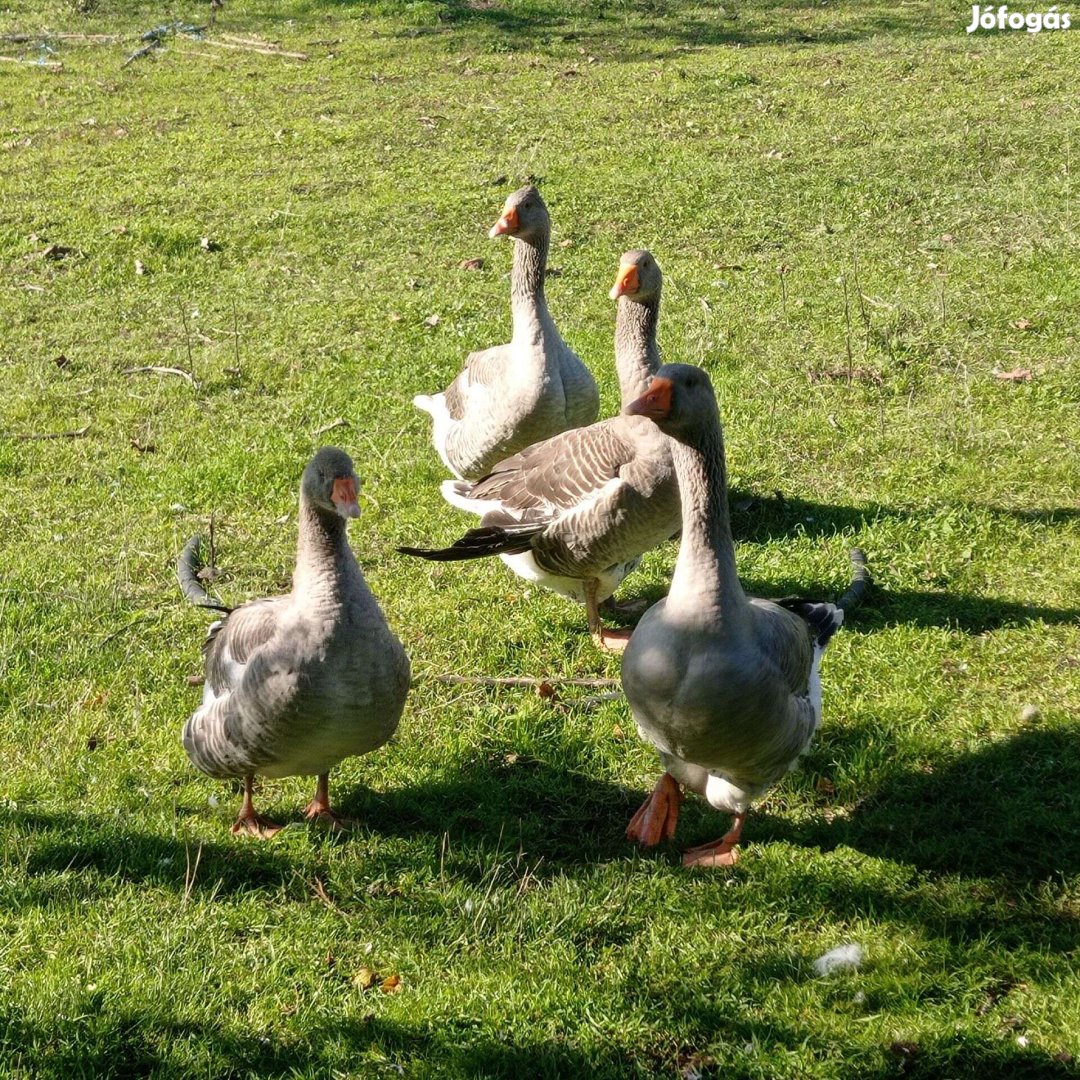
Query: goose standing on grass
point(725, 686)
point(510, 396)
point(575, 513)
point(296, 683)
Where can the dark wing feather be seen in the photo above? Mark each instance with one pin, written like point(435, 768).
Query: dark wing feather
point(558, 473)
point(234, 639)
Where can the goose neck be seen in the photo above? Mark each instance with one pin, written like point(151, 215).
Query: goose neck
point(527, 300)
point(705, 581)
point(322, 548)
point(637, 355)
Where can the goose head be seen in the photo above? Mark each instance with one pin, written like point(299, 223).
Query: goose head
point(330, 483)
point(639, 278)
point(524, 216)
point(680, 401)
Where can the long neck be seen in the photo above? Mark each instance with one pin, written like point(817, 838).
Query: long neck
point(323, 555)
point(637, 356)
point(527, 300)
point(705, 585)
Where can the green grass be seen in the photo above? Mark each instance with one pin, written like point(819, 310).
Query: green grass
point(869, 149)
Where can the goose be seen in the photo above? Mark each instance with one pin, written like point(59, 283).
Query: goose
point(511, 396)
point(574, 513)
point(725, 686)
point(296, 683)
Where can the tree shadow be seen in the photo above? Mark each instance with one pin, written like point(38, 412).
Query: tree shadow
point(107, 1045)
point(106, 850)
point(636, 29)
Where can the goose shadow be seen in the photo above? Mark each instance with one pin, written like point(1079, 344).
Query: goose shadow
point(1009, 812)
point(105, 850)
point(556, 817)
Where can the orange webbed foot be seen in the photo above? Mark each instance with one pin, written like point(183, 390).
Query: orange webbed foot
point(252, 824)
point(335, 822)
point(722, 852)
point(658, 815)
point(613, 640)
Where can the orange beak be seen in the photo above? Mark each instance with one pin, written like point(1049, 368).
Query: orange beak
point(343, 497)
point(655, 403)
point(626, 281)
point(508, 223)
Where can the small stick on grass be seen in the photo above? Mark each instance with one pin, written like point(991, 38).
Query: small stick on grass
point(486, 680)
point(190, 871)
point(256, 49)
point(28, 436)
point(160, 371)
point(48, 65)
point(339, 422)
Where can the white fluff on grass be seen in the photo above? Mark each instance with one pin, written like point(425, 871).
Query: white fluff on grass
point(842, 958)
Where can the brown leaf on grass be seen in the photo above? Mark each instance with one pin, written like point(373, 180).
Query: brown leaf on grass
point(617, 732)
point(1016, 375)
point(471, 264)
point(143, 448)
point(61, 361)
point(394, 317)
point(55, 252)
point(1022, 324)
point(906, 1051)
point(365, 979)
point(545, 689)
point(432, 320)
point(92, 743)
point(194, 680)
point(825, 786)
point(858, 374)
point(391, 984)
point(140, 268)
point(566, 243)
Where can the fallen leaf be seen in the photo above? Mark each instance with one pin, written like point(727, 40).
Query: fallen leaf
point(617, 732)
point(566, 243)
point(143, 448)
point(391, 984)
point(471, 264)
point(92, 743)
point(365, 979)
point(57, 251)
point(140, 269)
point(1016, 375)
point(394, 317)
point(432, 320)
point(545, 689)
point(825, 786)
point(209, 245)
point(905, 1050)
point(61, 361)
point(1022, 324)
point(194, 680)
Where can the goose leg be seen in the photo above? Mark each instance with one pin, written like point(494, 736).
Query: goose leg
point(625, 608)
point(722, 852)
point(319, 807)
point(248, 821)
point(609, 640)
point(658, 815)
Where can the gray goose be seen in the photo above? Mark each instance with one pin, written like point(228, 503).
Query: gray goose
point(575, 513)
point(296, 683)
point(510, 396)
point(725, 686)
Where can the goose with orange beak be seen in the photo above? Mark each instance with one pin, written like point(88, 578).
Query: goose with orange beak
point(511, 396)
point(297, 683)
point(725, 686)
point(576, 512)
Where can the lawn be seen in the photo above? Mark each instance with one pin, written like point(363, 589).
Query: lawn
point(866, 218)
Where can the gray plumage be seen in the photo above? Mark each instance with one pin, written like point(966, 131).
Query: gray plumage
point(510, 396)
point(725, 686)
point(295, 684)
point(576, 511)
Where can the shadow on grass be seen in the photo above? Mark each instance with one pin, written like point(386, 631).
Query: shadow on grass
point(1008, 813)
point(107, 1046)
point(637, 28)
point(103, 850)
point(557, 818)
